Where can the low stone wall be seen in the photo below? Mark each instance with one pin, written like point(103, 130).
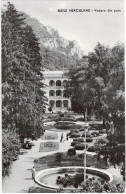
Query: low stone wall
point(93, 171)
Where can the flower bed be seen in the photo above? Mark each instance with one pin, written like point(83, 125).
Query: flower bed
point(66, 125)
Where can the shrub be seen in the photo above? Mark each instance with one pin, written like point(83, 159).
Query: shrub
point(66, 119)
point(75, 135)
point(71, 152)
point(61, 115)
point(81, 155)
point(58, 156)
point(10, 149)
point(87, 135)
point(50, 109)
point(74, 143)
point(82, 129)
point(80, 139)
point(89, 139)
point(79, 178)
point(74, 131)
point(100, 141)
point(80, 146)
point(64, 123)
point(93, 149)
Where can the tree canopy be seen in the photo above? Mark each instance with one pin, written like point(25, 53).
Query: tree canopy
point(23, 100)
point(98, 85)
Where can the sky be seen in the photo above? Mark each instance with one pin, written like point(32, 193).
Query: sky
point(87, 28)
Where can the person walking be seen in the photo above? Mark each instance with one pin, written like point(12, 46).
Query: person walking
point(67, 136)
point(33, 172)
point(61, 140)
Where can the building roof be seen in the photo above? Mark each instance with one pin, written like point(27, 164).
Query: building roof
point(53, 72)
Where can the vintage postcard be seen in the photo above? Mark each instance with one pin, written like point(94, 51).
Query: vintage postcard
point(63, 102)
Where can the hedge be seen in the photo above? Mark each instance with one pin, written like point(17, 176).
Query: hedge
point(89, 139)
point(74, 131)
point(75, 135)
point(74, 143)
point(82, 129)
point(93, 149)
point(87, 135)
point(81, 146)
point(79, 139)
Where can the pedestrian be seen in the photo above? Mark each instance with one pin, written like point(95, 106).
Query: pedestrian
point(67, 136)
point(61, 140)
point(33, 172)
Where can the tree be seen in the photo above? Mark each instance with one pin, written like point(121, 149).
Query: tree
point(83, 82)
point(50, 109)
point(98, 84)
point(23, 101)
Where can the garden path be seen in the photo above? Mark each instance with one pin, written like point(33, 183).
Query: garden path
point(20, 178)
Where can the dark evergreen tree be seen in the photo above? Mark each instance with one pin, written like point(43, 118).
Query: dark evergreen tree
point(22, 76)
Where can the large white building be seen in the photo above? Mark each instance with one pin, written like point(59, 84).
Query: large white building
point(54, 91)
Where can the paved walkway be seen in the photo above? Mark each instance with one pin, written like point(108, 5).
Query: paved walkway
point(20, 178)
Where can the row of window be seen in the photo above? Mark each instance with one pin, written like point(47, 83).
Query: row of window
point(58, 103)
point(57, 83)
point(57, 93)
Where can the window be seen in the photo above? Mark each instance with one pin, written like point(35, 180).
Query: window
point(58, 93)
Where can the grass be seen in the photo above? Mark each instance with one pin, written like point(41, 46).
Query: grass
point(72, 161)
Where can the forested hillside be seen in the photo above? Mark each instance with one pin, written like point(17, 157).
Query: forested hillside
point(57, 53)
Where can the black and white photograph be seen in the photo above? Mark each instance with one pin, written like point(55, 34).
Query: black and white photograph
point(63, 96)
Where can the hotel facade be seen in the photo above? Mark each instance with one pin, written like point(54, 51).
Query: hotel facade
point(55, 82)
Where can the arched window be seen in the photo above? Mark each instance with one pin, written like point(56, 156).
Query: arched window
point(51, 93)
point(58, 103)
point(58, 93)
point(51, 103)
point(58, 83)
point(51, 83)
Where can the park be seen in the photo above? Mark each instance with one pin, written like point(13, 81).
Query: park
point(63, 111)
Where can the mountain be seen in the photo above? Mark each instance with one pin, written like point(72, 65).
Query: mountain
point(57, 52)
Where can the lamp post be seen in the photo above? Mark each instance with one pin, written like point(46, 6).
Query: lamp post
point(85, 151)
point(85, 159)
